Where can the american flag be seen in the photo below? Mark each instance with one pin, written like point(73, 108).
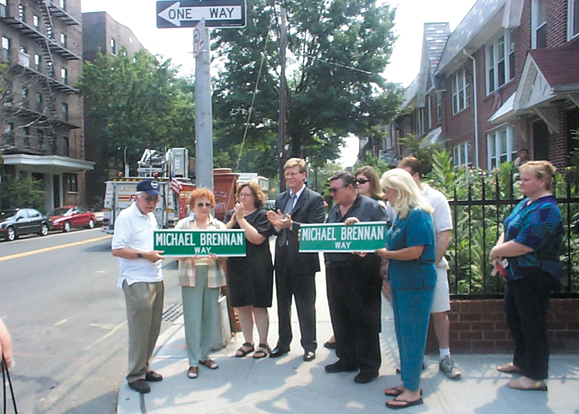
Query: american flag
point(175, 185)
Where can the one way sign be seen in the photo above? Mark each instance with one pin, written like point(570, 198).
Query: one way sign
point(217, 13)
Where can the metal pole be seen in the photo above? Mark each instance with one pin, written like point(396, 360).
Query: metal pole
point(203, 116)
point(282, 89)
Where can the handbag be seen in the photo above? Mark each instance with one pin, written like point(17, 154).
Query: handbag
point(6, 376)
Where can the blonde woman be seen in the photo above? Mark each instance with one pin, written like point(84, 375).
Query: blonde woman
point(411, 253)
point(530, 242)
point(200, 279)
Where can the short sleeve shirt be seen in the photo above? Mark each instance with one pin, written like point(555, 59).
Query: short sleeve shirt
point(441, 217)
point(537, 225)
point(135, 230)
point(416, 229)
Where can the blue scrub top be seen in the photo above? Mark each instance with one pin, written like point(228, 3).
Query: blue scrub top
point(416, 229)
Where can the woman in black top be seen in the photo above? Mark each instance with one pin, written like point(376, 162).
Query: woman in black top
point(250, 278)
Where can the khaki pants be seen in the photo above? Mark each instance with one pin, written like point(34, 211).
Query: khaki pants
point(144, 309)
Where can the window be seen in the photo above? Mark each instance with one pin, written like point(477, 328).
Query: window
point(26, 136)
point(10, 133)
point(539, 24)
point(573, 16)
point(3, 8)
point(38, 101)
point(65, 111)
point(23, 49)
point(64, 76)
point(36, 22)
point(420, 122)
point(66, 146)
point(25, 94)
point(430, 112)
point(71, 183)
point(500, 61)
point(38, 62)
point(460, 89)
point(439, 107)
point(63, 4)
point(113, 47)
point(40, 140)
point(5, 48)
point(63, 39)
point(501, 146)
point(462, 154)
point(21, 12)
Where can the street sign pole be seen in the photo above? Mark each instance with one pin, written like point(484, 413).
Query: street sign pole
point(203, 111)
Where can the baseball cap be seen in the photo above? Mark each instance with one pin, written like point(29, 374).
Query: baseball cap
point(150, 187)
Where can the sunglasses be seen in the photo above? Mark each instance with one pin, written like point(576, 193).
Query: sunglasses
point(335, 190)
point(201, 205)
point(362, 181)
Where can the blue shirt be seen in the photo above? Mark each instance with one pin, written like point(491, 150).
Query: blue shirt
point(416, 229)
point(537, 225)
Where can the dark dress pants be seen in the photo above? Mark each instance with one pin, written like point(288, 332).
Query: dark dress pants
point(354, 299)
point(526, 307)
point(291, 282)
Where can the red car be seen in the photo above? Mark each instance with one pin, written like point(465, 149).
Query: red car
point(67, 217)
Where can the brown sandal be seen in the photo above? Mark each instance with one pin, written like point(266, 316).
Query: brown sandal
point(211, 364)
point(193, 372)
point(262, 351)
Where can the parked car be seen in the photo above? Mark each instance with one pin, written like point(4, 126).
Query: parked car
point(18, 221)
point(66, 217)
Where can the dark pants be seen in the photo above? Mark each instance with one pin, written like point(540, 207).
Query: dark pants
point(355, 303)
point(526, 307)
point(290, 282)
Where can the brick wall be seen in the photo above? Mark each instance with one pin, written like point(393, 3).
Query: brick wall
point(479, 326)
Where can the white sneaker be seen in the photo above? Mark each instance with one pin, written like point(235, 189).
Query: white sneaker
point(447, 366)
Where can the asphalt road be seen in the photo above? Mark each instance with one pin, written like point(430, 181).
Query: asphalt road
point(59, 300)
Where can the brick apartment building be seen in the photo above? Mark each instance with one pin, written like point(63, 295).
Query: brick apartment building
point(507, 78)
point(41, 117)
point(101, 33)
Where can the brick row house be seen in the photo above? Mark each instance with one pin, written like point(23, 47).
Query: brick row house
point(102, 33)
point(505, 79)
point(41, 113)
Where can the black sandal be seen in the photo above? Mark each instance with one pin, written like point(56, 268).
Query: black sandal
point(262, 351)
point(241, 352)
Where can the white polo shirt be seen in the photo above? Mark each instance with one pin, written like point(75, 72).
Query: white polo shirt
point(135, 230)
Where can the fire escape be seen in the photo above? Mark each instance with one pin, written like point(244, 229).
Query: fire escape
point(42, 73)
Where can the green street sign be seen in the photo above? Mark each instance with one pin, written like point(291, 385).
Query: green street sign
point(184, 243)
point(337, 237)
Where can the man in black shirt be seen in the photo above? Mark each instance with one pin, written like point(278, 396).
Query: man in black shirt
point(353, 284)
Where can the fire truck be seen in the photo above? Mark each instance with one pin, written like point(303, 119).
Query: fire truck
point(121, 193)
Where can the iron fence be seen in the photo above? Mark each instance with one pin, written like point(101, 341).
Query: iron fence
point(479, 211)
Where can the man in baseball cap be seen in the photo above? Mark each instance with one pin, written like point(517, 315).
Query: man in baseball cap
point(141, 279)
point(151, 187)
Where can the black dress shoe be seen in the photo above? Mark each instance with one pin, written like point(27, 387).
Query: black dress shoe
point(153, 376)
point(278, 351)
point(141, 386)
point(309, 356)
point(340, 366)
point(365, 377)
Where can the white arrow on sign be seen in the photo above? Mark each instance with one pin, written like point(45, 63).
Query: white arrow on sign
point(175, 14)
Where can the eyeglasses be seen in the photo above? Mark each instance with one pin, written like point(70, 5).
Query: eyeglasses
point(201, 205)
point(361, 181)
point(150, 199)
point(334, 190)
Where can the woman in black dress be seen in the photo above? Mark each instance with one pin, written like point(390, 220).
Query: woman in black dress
point(250, 278)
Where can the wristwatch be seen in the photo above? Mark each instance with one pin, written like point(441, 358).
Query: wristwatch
point(139, 255)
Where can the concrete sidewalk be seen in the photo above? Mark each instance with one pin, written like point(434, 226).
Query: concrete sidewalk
point(289, 385)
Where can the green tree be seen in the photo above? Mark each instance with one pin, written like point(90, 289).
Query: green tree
point(336, 52)
point(422, 149)
point(21, 192)
point(139, 102)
